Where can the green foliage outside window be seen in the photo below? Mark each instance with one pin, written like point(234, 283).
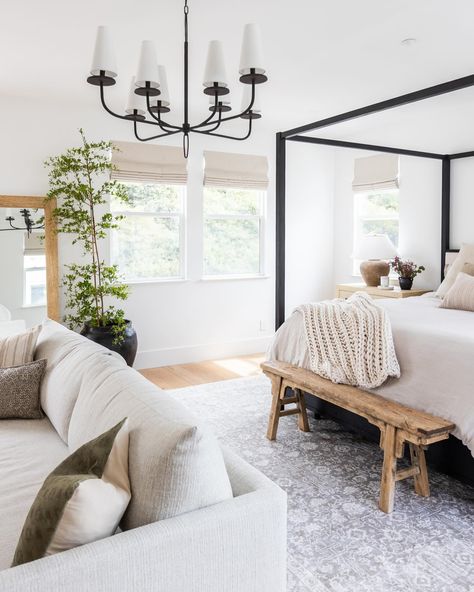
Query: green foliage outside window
point(378, 214)
point(147, 246)
point(232, 227)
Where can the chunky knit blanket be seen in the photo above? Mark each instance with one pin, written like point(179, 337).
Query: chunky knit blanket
point(350, 341)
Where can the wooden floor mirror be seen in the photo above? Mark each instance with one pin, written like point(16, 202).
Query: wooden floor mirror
point(29, 278)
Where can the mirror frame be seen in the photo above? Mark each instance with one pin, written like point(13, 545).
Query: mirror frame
point(51, 244)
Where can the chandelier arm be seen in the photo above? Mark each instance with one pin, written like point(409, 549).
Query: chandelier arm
point(210, 133)
point(208, 119)
point(110, 112)
point(135, 129)
point(230, 118)
point(161, 123)
point(217, 124)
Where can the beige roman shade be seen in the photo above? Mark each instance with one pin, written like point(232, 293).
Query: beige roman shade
point(149, 163)
point(375, 172)
point(245, 171)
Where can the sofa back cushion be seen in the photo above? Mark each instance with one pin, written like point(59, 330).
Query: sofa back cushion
point(175, 464)
point(70, 357)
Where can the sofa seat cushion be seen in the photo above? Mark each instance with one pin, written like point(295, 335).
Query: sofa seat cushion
point(175, 463)
point(29, 451)
point(70, 357)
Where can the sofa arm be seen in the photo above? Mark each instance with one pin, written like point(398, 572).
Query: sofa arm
point(235, 546)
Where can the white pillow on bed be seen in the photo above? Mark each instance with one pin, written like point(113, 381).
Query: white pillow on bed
point(466, 255)
point(461, 294)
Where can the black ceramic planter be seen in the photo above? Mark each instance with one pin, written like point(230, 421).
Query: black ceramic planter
point(104, 336)
point(405, 283)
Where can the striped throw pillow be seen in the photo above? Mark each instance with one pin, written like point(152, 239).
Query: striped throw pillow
point(461, 295)
point(18, 349)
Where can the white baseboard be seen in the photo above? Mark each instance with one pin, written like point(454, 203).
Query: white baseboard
point(199, 353)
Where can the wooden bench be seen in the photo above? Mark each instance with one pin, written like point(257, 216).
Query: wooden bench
point(398, 424)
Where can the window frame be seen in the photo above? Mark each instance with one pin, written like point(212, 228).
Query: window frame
point(262, 220)
point(182, 225)
point(356, 220)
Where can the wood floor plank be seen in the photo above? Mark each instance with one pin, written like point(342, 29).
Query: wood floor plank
point(183, 375)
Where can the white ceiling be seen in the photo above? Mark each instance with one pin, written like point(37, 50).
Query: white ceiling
point(323, 57)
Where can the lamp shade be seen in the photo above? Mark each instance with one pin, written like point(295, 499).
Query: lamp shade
point(147, 66)
point(251, 55)
point(247, 97)
point(165, 93)
point(104, 55)
point(215, 66)
point(135, 102)
point(374, 246)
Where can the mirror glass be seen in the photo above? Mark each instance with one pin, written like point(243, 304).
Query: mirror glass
point(22, 270)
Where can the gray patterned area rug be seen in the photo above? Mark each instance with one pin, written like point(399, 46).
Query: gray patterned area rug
point(338, 540)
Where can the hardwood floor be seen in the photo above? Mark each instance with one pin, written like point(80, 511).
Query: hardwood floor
point(182, 375)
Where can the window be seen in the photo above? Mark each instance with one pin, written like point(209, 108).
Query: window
point(149, 245)
point(376, 212)
point(234, 222)
point(34, 280)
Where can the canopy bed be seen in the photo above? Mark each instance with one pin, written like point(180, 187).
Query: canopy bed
point(414, 390)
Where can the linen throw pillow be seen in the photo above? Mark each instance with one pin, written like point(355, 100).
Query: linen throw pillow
point(465, 255)
point(468, 268)
point(18, 349)
point(461, 295)
point(20, 391)
point(81, 501)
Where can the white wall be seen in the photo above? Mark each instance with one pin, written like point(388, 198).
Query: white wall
point(309, 224)
point(420, 216)
point(176, 322)
point(462, 202)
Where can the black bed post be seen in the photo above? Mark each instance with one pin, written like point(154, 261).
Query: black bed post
point(445, 210)
point(280, 190)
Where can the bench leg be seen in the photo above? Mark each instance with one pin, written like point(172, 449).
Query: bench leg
point(389, 470)
point(422, 484)
point(303, 423)
point(275, 408)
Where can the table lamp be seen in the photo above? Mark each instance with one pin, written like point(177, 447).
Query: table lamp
point(375, 250)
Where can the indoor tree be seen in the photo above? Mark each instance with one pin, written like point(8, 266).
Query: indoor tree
point(79, 179)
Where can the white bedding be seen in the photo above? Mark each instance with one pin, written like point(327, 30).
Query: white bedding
point(435, 349)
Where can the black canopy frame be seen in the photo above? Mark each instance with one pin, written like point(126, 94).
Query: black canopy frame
point(294, 135)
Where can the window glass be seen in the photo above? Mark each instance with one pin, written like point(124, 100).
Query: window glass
point(149, 245)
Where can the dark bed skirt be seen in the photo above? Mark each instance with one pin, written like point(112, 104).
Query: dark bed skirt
point(449, 456)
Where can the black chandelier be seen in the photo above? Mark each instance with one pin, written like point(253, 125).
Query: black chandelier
point(29, 223)
point(151, 84)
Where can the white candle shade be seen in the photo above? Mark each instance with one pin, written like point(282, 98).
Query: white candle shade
point(375, 246)
point(251, 55)
point(165, 94)
point(104, 55)
point(135, 102)
point(215, 66)
point(147, 66)
point(247, 97)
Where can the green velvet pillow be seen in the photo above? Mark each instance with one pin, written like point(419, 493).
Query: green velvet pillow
point(81, 501)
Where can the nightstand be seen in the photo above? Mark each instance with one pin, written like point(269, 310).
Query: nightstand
point(345, 290)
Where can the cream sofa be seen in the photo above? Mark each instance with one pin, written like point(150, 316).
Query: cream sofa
point(236, 545)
